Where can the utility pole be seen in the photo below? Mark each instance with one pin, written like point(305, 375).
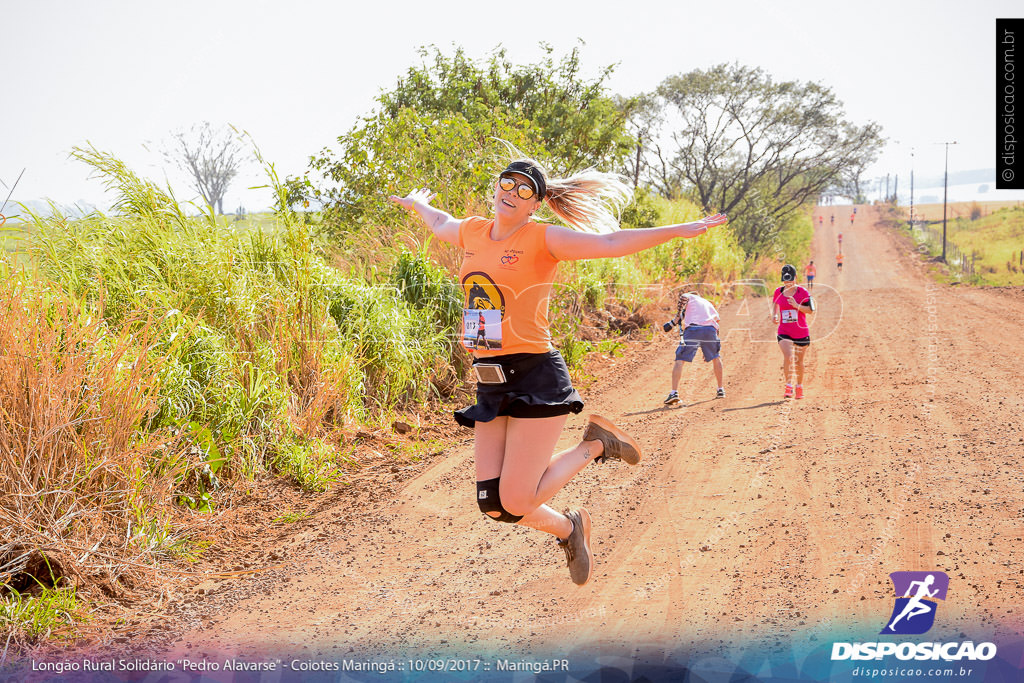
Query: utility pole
point(911, 189)
point(945, 187)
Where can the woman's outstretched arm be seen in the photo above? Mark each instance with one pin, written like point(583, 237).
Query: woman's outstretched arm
point(443, 224)
point(570, 245)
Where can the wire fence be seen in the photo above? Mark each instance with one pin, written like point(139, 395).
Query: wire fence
point(931, 235)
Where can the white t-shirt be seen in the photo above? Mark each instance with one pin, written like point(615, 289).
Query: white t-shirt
point(699, 312)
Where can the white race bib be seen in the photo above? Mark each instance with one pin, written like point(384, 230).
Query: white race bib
point(789, 315)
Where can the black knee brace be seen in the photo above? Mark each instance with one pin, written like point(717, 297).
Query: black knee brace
point(489, 501)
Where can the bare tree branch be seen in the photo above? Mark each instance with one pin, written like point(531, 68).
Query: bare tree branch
point(211, 157)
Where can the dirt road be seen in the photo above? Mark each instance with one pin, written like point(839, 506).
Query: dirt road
point(752, 519)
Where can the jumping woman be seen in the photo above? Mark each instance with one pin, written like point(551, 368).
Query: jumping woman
point(790, 304)
point(524, 394)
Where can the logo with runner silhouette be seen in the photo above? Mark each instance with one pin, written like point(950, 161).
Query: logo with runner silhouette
point(917, 595)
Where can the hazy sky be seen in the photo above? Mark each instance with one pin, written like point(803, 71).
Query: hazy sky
point(297, 74)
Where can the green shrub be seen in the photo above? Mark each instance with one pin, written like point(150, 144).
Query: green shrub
point(399, 346)
point(430, 288)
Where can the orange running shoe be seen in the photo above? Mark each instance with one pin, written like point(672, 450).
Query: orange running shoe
point(788, 393)
point(799, 391)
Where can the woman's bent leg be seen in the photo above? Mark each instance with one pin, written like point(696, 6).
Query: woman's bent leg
point(530, 475)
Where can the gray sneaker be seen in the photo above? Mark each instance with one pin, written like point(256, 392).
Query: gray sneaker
point(577, 546)
point(720, 393)
point(617, 443)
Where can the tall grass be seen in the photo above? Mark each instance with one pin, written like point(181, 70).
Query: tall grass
point(713, 257)
point(45, 613)
point(267, 324)
point(995, 241)
point(76, 398)
point(149, 357)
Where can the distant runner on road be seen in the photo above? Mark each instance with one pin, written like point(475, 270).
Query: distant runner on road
point(839, 260)
point(524, 393)
point(698, 326)
point(790, 304)
point(810, 272)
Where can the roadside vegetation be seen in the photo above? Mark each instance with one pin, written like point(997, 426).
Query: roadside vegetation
point(981, 248)
point(995, 243)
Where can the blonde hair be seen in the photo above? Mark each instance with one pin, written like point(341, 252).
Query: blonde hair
point(588, 201)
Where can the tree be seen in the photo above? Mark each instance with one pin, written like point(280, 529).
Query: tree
point(578, 123)
point(211, 157)
point(756, 149)
point(437, 127)
point(849, 183)
point(384, 155)
point(644, 119)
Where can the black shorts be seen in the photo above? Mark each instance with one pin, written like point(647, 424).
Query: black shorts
point(801, 341)
point(537, 385)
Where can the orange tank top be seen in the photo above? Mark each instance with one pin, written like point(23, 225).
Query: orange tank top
point(507, 286)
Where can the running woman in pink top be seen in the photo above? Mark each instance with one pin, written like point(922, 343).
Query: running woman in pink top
point(790, 304)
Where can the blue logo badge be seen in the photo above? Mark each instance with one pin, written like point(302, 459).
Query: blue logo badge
point(916, 601)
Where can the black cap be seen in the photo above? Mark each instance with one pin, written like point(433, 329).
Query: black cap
point(788, 273)
point(531, 171)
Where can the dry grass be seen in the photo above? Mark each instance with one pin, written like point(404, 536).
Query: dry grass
point(933, 212)
point(78, 469)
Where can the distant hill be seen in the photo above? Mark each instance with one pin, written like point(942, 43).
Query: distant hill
point(977, 176)
point(42, 207)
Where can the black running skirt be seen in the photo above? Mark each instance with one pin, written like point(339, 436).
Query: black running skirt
point(537, 385)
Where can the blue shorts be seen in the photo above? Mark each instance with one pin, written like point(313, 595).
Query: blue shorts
point(810, 278)
point(706, 336)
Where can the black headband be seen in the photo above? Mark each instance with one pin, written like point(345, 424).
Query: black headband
point(532, 172)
